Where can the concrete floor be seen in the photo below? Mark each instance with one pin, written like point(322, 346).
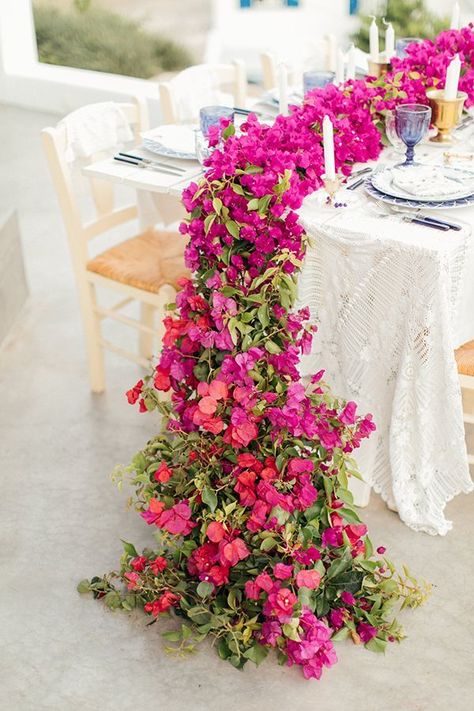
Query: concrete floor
point(62, 520)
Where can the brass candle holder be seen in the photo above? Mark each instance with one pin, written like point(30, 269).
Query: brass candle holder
point(446, 114)
point(331, 186)
point(380, 67)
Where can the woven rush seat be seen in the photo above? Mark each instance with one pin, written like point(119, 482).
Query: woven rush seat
point(147, 261)
point(465, 358)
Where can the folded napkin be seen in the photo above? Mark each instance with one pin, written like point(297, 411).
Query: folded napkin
point(95, 128)
point(180, 139)
point(427, 180)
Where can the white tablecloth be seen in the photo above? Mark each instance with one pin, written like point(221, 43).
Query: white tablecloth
point(392, 300)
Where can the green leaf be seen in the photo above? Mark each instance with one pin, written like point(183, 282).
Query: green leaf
point(172, 636)
point(113, 600)
point(349, 515)
point(233, 228)
point(252, 204)
point(209, 497)
point(129, 548)
point(376, 645)
point(272, 347)
point(339, 565)
point(84, 586)
point(217, 205)
point(343, 633)
point(204, 589)
point(263, 315)
point(257, 653)
point(268, 544)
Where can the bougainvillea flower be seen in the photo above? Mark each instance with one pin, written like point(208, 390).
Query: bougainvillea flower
point(158, 564)
point(308, 579)
point(282, 571)
point(231, 552)
point(366, 632)
point(215, 531)
point(163, 473)
point(280, 604)
point(177, 519)
point(153, 513)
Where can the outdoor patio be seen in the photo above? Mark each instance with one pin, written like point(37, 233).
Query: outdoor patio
point(62, 520)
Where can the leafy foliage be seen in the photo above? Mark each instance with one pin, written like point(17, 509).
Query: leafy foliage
point(104, 41)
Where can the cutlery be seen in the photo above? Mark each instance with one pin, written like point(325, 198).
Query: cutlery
point(428, 218)
point(356, 185)
point(148, 161)
point(246, 112)
point(385, 210)
point(147, 166)
point(361, 171)
point(425, 222)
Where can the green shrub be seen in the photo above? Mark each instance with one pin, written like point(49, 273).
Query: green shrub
point(410, 18)
point(104, 41)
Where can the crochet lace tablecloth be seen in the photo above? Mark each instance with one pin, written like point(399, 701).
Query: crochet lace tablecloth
point(391, 301)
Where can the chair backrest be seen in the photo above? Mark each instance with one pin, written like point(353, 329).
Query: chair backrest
point(201, 85)
point(57, 145)
point(269, 65)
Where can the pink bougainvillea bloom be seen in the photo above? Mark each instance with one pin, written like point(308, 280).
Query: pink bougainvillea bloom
point(264, 581)
point(270, 633)
point(158, 565)
point(252, 590)
point(366, 632)
point(337, 617)
point(207, 405)
point(162, 380)
point(282, 571)
point(215, 531)
point(381, 550)
point(176, 520)
point(152, 514)
point(348, 415)
point(348, 598)
point(218, 390)
point(280, 604)
point(232, 552)
point(138, 563)
point(308, 579)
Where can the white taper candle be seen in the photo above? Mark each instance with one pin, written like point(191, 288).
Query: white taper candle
point(389, 42)
point(351, 63)
point(340, 66)
point(374, 40)
point(455, 17)
point(452, 79)
point(328, 145)
point(283, 89)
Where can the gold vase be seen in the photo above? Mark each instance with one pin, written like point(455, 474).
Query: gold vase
point(380, 68)
point(446, 114)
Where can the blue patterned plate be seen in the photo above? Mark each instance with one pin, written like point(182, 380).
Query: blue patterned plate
point(417, 204)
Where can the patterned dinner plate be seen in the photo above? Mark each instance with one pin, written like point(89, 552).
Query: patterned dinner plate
point(428, 183)
point(416, 204)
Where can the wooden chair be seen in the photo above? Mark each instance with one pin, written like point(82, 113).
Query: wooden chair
point(465, 363)
point(144, 268)
point(269, 66)
point(182, 97)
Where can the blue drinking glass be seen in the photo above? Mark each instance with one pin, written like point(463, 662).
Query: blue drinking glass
point(401, 45)
point(412, 121)
point(212, 115)
point(316, 80)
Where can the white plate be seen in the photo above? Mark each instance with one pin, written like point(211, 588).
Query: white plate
point(424, 183)
point(173, 141)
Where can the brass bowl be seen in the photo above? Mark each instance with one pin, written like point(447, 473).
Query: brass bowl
point(445, 114)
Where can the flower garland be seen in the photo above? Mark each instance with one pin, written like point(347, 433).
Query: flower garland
point(246, 488)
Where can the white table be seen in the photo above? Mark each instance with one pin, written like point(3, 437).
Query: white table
point(392, 301)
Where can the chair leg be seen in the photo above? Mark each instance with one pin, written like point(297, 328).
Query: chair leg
point(95, 352)
point(147, 318)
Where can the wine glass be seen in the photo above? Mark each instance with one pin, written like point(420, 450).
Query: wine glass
point(209, 116)
point(412, 121)
point(314, 79)
point(391, 133)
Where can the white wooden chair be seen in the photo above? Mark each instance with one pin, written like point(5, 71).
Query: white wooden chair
point(144, 268)
point(269, 66)
point(465, 363)
point(201, 85)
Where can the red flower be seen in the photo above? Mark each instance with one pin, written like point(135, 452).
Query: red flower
point(232, 552)
point(152, 514)
point(134, 393)
point(308, 579)
point(265, 582)
point(215, 531)
point(282, 571)
point(245, 488)
point(138, 564)
point(133, 580)
point(280, 604)
point(176, 520)
point(158, 565)
point(252, 590)
point(162, 379)
point(163, 473)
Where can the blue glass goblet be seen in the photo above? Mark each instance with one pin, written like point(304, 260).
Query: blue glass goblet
point(316, 80)
point(212, 115)
point(402, 44)
point(411, 124)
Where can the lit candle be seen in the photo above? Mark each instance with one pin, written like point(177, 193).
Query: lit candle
point(374, 40)
point(283, 89)
point(339, 67)
point(328, 145)
point(452, 79)
point(455, 19)
point(389, 42)
point(351, 63)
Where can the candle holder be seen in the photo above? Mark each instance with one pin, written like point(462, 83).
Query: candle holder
point(331, 186)
point(380, 67)
point(446, 113)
